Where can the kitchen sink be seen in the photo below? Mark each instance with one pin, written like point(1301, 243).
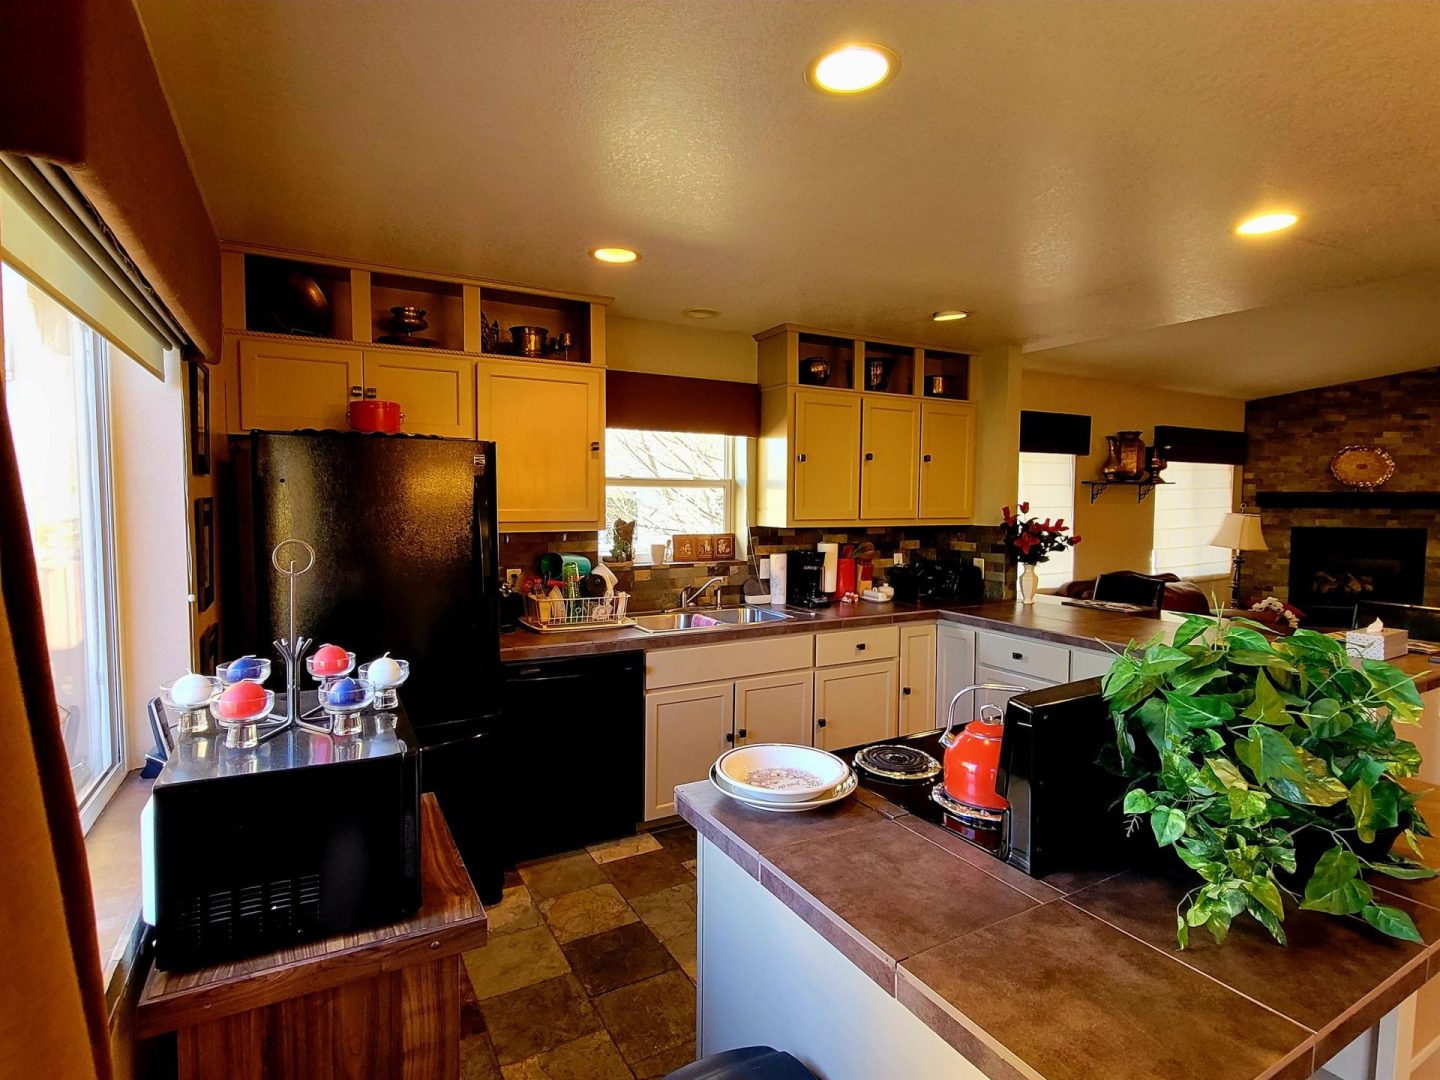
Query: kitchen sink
point(708, 619)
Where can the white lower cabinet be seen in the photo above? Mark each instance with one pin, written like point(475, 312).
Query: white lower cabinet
point(685, 731)
point(855, 703)
point(954, 671)
point(1089, 664)
point(774, 708)
point(986, 674)
point(917, 678)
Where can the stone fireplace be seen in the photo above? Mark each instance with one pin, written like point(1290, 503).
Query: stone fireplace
point(1330, 546)
point(1334, 568)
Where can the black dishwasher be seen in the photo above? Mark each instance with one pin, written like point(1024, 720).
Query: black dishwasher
point(568, 752)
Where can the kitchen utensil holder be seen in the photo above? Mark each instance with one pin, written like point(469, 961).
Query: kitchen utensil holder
point(549, 615)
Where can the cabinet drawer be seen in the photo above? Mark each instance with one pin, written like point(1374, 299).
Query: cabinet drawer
point(850, 646)
point(727, 660)
point(1089, 664)
point(986, 674)
point(1023, 655)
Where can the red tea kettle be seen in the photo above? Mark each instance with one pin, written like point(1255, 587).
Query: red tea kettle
point(972, 754)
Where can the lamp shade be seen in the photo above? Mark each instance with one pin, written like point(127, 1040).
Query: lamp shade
point(1240, 532)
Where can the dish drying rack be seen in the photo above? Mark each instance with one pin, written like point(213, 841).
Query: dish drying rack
point(549, 615)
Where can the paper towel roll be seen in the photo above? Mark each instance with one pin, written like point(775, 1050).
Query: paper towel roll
point(832, 561)
point(777, 578)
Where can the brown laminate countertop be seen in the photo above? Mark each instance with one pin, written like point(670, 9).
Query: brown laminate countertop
point(1077, 976)
point(1048, 619)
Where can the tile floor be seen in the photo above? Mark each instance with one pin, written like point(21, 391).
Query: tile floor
point(589, 973)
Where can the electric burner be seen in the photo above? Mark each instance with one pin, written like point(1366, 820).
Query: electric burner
point(977, 816)
point(897, 762)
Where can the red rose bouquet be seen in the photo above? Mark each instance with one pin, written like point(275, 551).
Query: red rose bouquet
point(1033, 540)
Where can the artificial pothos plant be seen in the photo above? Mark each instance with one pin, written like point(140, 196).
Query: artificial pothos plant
point(1250, 757)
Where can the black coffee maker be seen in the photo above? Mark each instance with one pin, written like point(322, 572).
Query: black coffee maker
point(806, 578)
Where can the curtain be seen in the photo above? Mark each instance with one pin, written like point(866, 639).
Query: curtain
point(52, 998)
point(646, 402)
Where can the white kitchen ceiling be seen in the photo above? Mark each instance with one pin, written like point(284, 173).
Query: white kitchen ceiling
point(1071, 171)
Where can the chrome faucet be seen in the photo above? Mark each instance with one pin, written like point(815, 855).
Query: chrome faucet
point(690, 594)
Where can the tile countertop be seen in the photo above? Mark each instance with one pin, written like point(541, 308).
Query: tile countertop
point(1076, 976)
point(1048, 620)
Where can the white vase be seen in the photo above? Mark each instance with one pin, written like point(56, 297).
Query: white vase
point(1029, 584)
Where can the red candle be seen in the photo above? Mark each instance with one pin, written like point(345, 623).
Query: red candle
point(240, 701)
point(329, 660)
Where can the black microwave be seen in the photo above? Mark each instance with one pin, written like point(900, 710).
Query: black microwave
point(306, 835)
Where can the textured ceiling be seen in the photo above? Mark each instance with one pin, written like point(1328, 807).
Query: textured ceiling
point(1069, 170)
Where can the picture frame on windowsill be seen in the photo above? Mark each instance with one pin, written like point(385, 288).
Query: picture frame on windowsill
point(199, 410)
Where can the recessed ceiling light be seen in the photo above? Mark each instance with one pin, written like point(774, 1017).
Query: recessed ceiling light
point(615, 255)
point(700, 313)
point(853, 68)
point(1266, 223)
point(949, 316)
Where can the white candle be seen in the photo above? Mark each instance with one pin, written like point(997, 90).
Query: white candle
point(191, 691)
point(384, 672)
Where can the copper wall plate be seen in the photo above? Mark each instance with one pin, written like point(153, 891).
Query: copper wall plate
point(1362, 466)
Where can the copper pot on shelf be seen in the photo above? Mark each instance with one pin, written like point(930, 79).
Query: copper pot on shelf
point(529, 340)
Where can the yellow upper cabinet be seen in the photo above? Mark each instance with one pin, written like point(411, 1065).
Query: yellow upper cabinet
point(548, 425)
point(947, 461)
point(286, 385)
point(890, 437)
point(436, 391)
point(826, 457)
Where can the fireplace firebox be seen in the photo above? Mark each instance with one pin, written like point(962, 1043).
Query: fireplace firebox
point(1333, 569)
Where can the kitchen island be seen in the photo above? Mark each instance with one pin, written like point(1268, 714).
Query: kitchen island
point(872, 944)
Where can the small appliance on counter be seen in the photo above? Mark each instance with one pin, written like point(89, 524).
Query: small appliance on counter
point(246, 849)
point(922, 580)
point(805, 576)
point(1051, 806)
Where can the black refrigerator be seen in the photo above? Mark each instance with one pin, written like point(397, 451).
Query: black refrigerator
point(406, 555)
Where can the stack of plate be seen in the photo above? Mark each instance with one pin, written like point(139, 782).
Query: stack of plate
point(782, 778)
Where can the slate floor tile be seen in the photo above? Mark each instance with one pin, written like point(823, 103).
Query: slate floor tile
point(591, 1057)
point(538, 1018)
point(589, 911)
point(669, 913)
point(562, 874)
point(640, 875)
point(616, 958)
point(623, 848)
point(650, 1016)
point(511, 961)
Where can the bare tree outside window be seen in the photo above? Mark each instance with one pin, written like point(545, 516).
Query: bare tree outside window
point(667, 482)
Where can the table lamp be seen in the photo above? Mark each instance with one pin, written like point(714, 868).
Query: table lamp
point(1239, 532)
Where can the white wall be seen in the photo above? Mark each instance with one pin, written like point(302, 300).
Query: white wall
point(151, 546)
point(692, 351)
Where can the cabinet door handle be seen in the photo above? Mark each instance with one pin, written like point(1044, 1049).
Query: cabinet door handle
point(905, 691)
point(926, 459)
point(800, 457)
point(355, 391)
point(820, 722)
point(594, 447)
point(860, 647)
point(869, 457)
point(1017, 656)
point(369, 393)
point(742, 733)
point(729, 736)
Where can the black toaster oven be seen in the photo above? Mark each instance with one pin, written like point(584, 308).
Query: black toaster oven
point(303, 836)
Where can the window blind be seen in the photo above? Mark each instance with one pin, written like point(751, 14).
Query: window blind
point(641, 401)
point(1206, 445)
point(1054, 433)
point(49, 233)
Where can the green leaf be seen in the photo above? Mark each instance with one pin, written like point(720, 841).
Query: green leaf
point(1282, 856)
point(1151, 716)
point(1243, 637)
point(1199, 710)
point(1362, 810)
point(1245, 804)
point(1266, 752)
point(1122, 674)
point(1190, 629)
point(1326, 719)
point(1335, 886)
point(1162, 659)
point(1265, 891)
point(1392, 921)
point(1178, 773)
point(1404, 870)
point(1138, 802)
point(1268, 706)
point(1392, 684)
point(1267, 918)
point(1189, 680)
point(1256, 658)
point(1219, 926)
point(1182, 932)
point(1168, 824)
point(1226, 772)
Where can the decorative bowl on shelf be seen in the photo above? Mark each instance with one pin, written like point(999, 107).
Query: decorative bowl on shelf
point(815, 370)
point(1362, 467)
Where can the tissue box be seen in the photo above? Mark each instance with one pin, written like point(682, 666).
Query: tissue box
point(1385, 644)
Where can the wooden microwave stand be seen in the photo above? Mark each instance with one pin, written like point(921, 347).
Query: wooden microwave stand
point(383, 1002)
